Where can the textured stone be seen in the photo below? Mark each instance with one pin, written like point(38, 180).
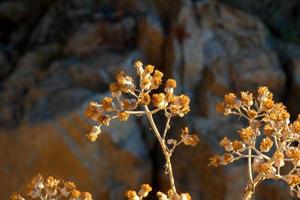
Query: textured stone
point(40, 82)
point(6, 67)
point(59, 147)
point(294, 87)
point(56, 55)
point(214, 34)
point(192, 162)
point(223, 50)
point(296, 76)
point(151, 39)
point(191, 42)
point(282, 16)
point(92, 36)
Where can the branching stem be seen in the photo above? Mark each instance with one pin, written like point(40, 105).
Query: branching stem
point(164, 147)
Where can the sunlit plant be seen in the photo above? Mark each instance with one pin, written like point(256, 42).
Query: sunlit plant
point(270, 142)
point(50, 188)
point(138, 97)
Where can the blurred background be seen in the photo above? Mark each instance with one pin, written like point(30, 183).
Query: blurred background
point(57, 55)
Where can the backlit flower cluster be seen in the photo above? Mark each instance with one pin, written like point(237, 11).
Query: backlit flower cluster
point(143, 192)
point(270, 141)
point(145, 189)
point(40, 188)
point(127, 96)
point(139, 96)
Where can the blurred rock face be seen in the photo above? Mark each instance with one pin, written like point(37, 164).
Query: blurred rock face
point(56, 56)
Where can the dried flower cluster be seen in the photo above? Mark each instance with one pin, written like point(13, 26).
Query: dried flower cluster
point(137, 97)
point(40, 188)
point(270, 142)
point(119, 107)
point(145, 189)
point(143, 192)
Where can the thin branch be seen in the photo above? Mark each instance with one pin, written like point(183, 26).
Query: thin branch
point(155, 111)
point(251, 187)
point(164, 148)
point(260, 154)
point(250, 165)
point(136, 112)
point(167, 127)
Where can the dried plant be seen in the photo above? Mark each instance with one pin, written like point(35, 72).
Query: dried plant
point(145, 189)
point(270, 142)
point(51, 188)
point(128, 98)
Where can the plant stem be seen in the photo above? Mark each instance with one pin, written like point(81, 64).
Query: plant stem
point(136, 112)
point(166, 128)
point(260, 154)
point(170, 172)
point(250, 165)
point(250, 189)
point(164, 149)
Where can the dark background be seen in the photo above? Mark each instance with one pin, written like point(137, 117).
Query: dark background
point(57, 55)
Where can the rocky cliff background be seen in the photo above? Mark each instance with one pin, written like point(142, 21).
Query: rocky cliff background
point(57, 55)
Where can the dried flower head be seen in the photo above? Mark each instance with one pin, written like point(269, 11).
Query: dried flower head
point(231, 101)
point(180, 105)
point(16, 196)
point(293, 180)
point(266, 144)
point(265, 168)
point(247, 98)
point(268, 130)
point(160, 100)
point(129, 104)
point(144, 190)
point(226, 143)
point(189, 139)
point(93, 111)
point(144, 99)
point(107, 104)
point(247, 135)
point(125, 82)
point(139, 67)
point(170, 85)
point(238, 146)
point(157, 79)
point(123, 116)
point(92, 136)
point(132, 195)
point(215, 160)
point(115, 90)
point(294, 154)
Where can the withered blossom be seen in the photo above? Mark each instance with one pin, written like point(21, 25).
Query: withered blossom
point(189, 139)
point(269, 127)
point(40, 188)
point(266, 144)
point(128, 98)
